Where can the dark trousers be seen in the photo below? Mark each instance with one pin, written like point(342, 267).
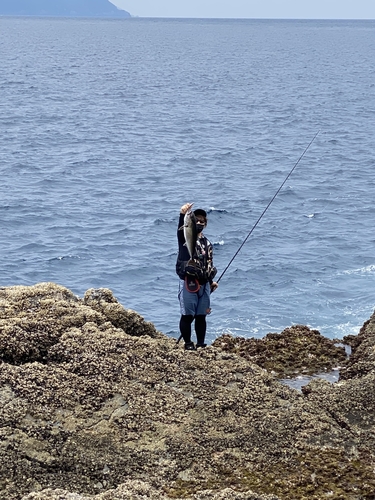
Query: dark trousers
point(200, 327)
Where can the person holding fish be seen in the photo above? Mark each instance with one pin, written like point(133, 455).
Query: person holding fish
point(196, 271)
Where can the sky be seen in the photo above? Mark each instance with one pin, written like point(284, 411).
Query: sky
point(269, 9)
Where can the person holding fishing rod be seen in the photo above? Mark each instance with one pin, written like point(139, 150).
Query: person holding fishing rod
point(196, 271)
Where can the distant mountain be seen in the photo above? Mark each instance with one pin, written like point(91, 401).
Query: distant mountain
point(69, 8)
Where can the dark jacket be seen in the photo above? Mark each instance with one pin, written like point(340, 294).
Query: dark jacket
point(203, 261)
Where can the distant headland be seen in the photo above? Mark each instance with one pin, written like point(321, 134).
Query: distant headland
point(61, 8)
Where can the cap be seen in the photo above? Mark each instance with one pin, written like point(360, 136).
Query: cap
point(200, 211)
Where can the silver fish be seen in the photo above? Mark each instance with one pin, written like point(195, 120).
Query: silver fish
point(190, 232)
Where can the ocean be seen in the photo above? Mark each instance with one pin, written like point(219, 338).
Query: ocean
point(107, 127)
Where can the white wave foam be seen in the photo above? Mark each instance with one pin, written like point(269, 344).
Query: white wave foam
point(338, 331)
point(220, 210)
point(362, 270)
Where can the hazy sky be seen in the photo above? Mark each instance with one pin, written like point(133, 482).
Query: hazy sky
point(294, 9)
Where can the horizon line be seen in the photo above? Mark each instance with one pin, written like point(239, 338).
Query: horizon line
point(261, 18)
point(204, 18)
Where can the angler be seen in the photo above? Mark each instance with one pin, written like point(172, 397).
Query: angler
point(196, 271)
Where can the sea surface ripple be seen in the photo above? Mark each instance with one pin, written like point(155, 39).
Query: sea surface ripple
point(108, 126)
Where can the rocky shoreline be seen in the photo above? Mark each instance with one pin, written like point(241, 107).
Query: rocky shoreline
point(96, 403)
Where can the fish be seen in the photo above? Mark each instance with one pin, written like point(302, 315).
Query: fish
point(190, 233)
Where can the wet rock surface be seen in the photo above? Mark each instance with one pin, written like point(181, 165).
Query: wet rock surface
point(95, 403)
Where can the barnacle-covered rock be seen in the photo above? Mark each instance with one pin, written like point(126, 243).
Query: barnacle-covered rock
point(103, 301)
point(362, 359)
point(139, 490)
point(33, 318)
point(95, 403)
point(296, 350)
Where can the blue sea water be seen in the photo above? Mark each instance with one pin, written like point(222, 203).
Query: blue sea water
point(108, 126)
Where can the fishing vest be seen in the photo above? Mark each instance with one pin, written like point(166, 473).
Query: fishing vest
point(203, 265)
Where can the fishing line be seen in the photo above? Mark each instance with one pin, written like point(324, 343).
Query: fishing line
point(267, 207)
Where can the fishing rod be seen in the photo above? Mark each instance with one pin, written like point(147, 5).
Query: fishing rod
point(267, 207)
